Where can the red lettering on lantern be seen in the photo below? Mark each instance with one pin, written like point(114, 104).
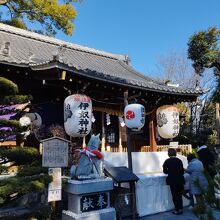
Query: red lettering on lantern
point(130, 115)
point(76, 98)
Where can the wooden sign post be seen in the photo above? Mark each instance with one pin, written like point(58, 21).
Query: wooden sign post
point(55, 155)
point(55, 152)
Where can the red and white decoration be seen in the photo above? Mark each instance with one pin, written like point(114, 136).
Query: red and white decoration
point(77, 115)
point(91, 153)
point(168, 121)
point(134, 116)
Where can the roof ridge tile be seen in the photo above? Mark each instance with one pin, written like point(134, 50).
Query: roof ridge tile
point(52, 40)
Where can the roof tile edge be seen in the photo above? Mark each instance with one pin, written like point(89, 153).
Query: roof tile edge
point(52, 40)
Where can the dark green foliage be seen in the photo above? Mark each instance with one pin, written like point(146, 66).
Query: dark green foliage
point(44, 213)
point(16, 22)
point(40, 212)
point(203, 49)
point(16, 99)
point(31, 175)
point(7, 87)
point(34, 169)
point(51, 15)
point(216, 95)
point(9, 96)
point(10, 123)
point(20, 155)
point(17, 186)
point(3, 169)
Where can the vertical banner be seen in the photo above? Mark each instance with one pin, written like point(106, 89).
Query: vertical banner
point(55, 187)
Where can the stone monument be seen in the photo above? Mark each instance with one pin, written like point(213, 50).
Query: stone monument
point(88, 190)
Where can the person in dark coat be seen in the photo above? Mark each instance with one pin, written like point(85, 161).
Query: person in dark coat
point(208, 160)
point(175, 179)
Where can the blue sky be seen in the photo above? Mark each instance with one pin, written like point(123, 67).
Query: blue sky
point(143, 29)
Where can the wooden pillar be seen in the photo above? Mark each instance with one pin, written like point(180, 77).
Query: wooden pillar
point(84, 141)
point(120, 137)
point(217, 123)
point(128, 136)
point(152, 129)
point(103, 132)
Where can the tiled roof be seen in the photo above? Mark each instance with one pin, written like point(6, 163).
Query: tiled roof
point(37, 51)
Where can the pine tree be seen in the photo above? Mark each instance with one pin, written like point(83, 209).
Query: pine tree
point(30, 175)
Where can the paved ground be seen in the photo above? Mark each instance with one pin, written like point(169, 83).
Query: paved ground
point(187, 215)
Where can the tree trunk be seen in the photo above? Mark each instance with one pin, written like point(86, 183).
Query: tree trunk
point(217, 123)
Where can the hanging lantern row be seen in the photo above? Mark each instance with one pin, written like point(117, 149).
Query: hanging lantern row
point(168, 121)
point(78, 117)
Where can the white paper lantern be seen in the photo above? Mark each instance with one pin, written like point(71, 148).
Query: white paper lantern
point(35, 118)
point(134, 116)
point(168, 121)
point(77, 115)
point(24, 121)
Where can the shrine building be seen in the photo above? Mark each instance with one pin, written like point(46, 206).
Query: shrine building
point(50, 70)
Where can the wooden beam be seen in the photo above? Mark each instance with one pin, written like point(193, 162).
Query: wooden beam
point(120, 137)
point(134, 96)
point(103, 132)
point(128, 136)
point(84, 142)
point(152, 129)
point(108, 111)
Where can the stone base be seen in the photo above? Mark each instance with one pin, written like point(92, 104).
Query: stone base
point(78, 187)
point(103, 214)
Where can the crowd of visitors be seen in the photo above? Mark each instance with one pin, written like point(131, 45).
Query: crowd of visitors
point(191, 182)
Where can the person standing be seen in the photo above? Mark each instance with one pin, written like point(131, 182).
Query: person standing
point(187, 193)
point(208, 160)
point(173, 166)
point(198, 181)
